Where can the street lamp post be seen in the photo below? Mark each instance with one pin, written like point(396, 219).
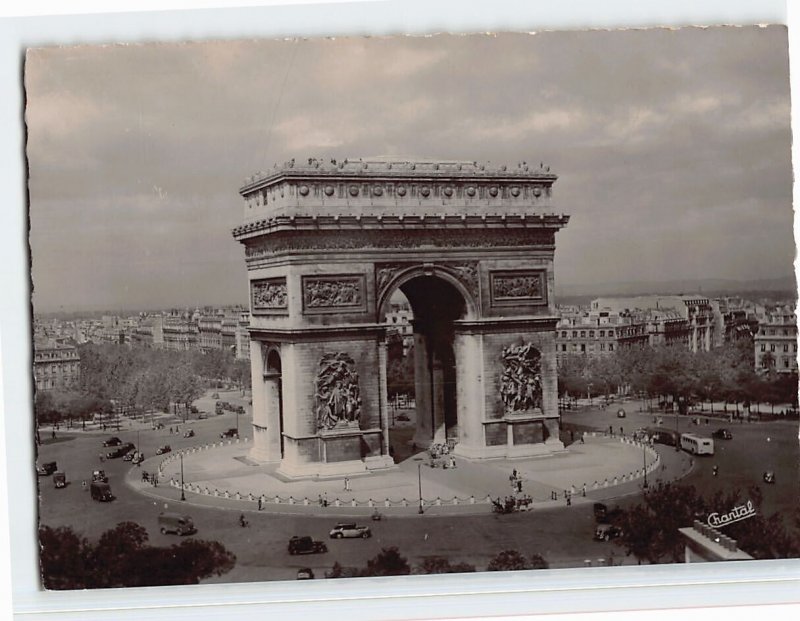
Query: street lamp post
point(644, 461)
point(419, 480)
point(183, 496)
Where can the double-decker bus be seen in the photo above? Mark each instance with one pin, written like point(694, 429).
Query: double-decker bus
point(697, 445)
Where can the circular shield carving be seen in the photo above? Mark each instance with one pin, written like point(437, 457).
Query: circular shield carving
point(470, 191)
point(328, 190)
point(353, 189)
point(514, 192)
point(448, 191)
point(303, 190)
point(425, 191)
point(537, 191)
point(377, 190)
point(493, 190)
point(401, 191)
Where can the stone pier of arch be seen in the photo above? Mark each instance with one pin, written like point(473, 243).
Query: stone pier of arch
point(471, 247)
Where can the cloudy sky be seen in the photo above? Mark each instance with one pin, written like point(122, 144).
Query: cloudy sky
point(672, 148)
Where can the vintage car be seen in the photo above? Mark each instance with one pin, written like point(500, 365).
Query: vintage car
point(60, 480)
point(161, 450)
point(46, 468)
point(120, 451)
point(176, 523)
point(621, 413)
point(305, 573)
point(604, 515)
point(112, 441)
point(722, 434)
point(769, 477)
point(101, 491)
point(138, 458)
point(229, 433)
point(306, 545)
point(99, 475)
point(606, 532)
point(189, 433)
point(350, 530)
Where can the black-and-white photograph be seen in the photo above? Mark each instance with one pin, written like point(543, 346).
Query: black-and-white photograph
point(309, 309)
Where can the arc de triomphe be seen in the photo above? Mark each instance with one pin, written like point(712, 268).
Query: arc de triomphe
point(471, 247)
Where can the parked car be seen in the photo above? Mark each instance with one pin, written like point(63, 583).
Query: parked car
point(129, 456)
point(112, 441)
point(99, 476)
point(138, 458)
point(349, 530)
point(176, 523)
point(60, 480)
point(722, 434)
point(189, 433)
point(193, 409)
point(621, 413)
point(402, 417)
point(161, 450)
point(306, 545)
point(101, 491)
point(606, 532)
point(229, 433)
point(120, 451)
point(769, 477)
point(46, 468)
point(305, 573)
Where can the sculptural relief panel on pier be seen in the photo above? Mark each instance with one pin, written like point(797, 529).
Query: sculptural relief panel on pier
point(334, 294)
point(269, 296)
point(513, 287)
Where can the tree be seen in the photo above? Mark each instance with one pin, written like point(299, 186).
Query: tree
point(122, 558)
point(512, 560)
point(441, 565)
point(388, 562)
point(64, 558)
point(650, 529)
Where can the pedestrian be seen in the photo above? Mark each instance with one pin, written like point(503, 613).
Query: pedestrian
point(571, 435)
point(519, 486)
point(170, 431)
point(583, 490)
point(621, 431)
point(347, 484)
point(259, 503)
point(83, 485)
point(514, 473)
point(611, 430)
point(569, 499)
point(582, 442)
point(54, 434)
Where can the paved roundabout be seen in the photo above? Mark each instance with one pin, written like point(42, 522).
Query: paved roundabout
point(221, 474)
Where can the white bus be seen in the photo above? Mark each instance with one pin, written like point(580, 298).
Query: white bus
point(697, 445)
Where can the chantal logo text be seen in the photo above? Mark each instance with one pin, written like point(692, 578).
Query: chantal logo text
point(736, 515)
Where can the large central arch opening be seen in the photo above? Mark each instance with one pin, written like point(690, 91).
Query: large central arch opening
point(427, 307)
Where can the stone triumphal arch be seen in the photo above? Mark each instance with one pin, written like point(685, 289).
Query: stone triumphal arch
point(327, 244)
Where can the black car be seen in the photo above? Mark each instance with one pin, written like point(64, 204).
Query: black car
point(47, 468)
point(120, 451)
point(722, 434)
point(306, 545)
point(112, 441)
point(230, 433)
point(604, 515)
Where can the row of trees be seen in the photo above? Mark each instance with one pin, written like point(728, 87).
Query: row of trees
point(650, 528)
point(142, 379)
point(722, 374)
point(389, 562)
point(123, 558)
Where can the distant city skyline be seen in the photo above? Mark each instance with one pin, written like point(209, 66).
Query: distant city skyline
point(672, 148)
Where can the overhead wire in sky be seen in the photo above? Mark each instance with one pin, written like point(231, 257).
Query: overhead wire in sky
point(266, 144)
